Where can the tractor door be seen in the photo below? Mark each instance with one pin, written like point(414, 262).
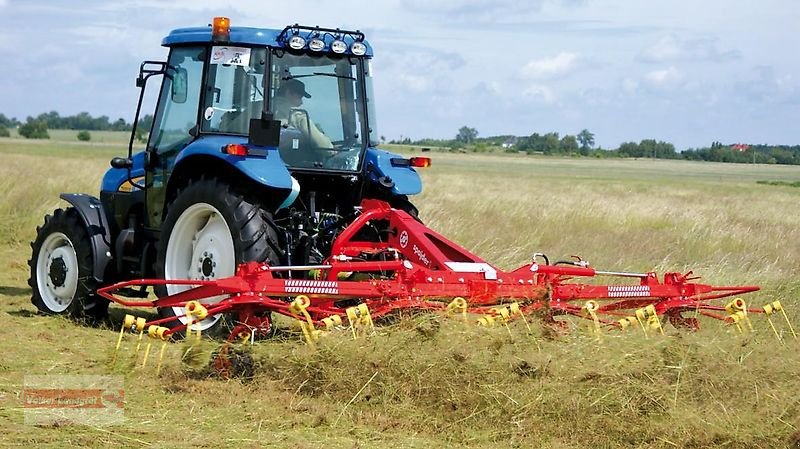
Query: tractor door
point(175, 123)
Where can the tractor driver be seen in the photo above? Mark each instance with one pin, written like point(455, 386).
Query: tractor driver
point(288, 98)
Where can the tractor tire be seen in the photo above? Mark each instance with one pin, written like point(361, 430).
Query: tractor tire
point(209, 229)
point(61, 268)
point(401, 202)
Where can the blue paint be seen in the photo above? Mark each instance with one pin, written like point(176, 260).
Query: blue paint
point(115, 177)
point(406, 179)
point(268, 170)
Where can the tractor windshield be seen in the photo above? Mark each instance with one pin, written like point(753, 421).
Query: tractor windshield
point(321, 102)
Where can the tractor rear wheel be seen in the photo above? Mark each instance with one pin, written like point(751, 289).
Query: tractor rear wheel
point(210, 229)
point(61, 268)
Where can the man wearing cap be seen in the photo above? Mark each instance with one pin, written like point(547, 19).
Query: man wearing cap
point(289, 97)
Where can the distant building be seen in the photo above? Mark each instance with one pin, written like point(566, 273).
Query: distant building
point(510, 142)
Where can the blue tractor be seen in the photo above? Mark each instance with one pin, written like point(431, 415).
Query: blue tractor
point(263, 146)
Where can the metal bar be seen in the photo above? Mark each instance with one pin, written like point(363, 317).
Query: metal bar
point(299, 268)
point(621, 274)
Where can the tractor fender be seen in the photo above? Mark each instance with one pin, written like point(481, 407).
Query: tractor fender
point(406, 179)
point(268, 169)
point(96, 222)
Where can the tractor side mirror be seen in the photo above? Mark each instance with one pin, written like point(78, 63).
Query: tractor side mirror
point(264, 131)
point(121, 162)
point(180, 85)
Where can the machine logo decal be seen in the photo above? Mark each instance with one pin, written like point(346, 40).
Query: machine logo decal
point(421, 256)
point(403, 239)
point(231, 56)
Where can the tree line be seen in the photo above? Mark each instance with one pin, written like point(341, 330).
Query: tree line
point(583, 144)
point(36, 127)
point(81, 121)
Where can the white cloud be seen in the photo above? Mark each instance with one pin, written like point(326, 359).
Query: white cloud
point(538, 92)
point(414, 83)
point(417, 69)
point(474, 10)
point(547, 68)
point(665, 77)
point(630, 85)
point(64, 73)
point(672, 48)
point(765, 86)
point(3, 3)
point(420, 59)
point(488, 13)
point(99, 34)
point(666, 49)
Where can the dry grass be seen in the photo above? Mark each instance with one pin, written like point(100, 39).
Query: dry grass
point(620, 214)
point(427, 381)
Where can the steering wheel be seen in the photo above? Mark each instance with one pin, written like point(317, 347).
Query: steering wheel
point(344, 160)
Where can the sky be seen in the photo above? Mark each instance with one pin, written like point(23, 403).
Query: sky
point(683, 71)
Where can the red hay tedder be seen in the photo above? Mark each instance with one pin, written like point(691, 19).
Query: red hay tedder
point(414, 267)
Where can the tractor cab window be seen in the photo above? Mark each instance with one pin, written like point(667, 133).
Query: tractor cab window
point(178, 103)
point(234, 89)
point(318, 100)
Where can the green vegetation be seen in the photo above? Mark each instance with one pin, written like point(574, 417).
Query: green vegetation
point(8, 122)
point(466, 135)
point(34, 129)
point(81, 121)
point(780, 183)
point(586, 139)
point(84, 136)
point(467, 140)
point(427, 381)
point(4, 131)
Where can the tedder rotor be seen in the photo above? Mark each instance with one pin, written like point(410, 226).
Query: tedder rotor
point(412, 267)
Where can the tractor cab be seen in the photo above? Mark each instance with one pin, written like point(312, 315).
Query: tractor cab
point(291, 109)
point(319, 98)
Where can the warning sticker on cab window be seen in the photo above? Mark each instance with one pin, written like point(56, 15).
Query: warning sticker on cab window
point(230, 56)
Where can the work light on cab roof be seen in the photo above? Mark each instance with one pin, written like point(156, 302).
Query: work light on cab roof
point(318, 39)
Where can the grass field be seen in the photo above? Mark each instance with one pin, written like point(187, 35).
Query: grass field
point(68, 136)
point(427, 381)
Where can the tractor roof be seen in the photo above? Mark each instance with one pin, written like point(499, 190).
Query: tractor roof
point(275, 38)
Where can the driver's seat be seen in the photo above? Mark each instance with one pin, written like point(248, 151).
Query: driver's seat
point(293, 147)
point(238, 122)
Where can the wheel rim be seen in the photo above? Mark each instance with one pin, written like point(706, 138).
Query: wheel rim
point(57, 272)
point(200, 247)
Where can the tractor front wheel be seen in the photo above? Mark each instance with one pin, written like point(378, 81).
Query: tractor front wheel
point(208, 231)
point(61, 268)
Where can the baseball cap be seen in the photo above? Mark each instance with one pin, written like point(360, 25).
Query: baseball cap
point(296, 86)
